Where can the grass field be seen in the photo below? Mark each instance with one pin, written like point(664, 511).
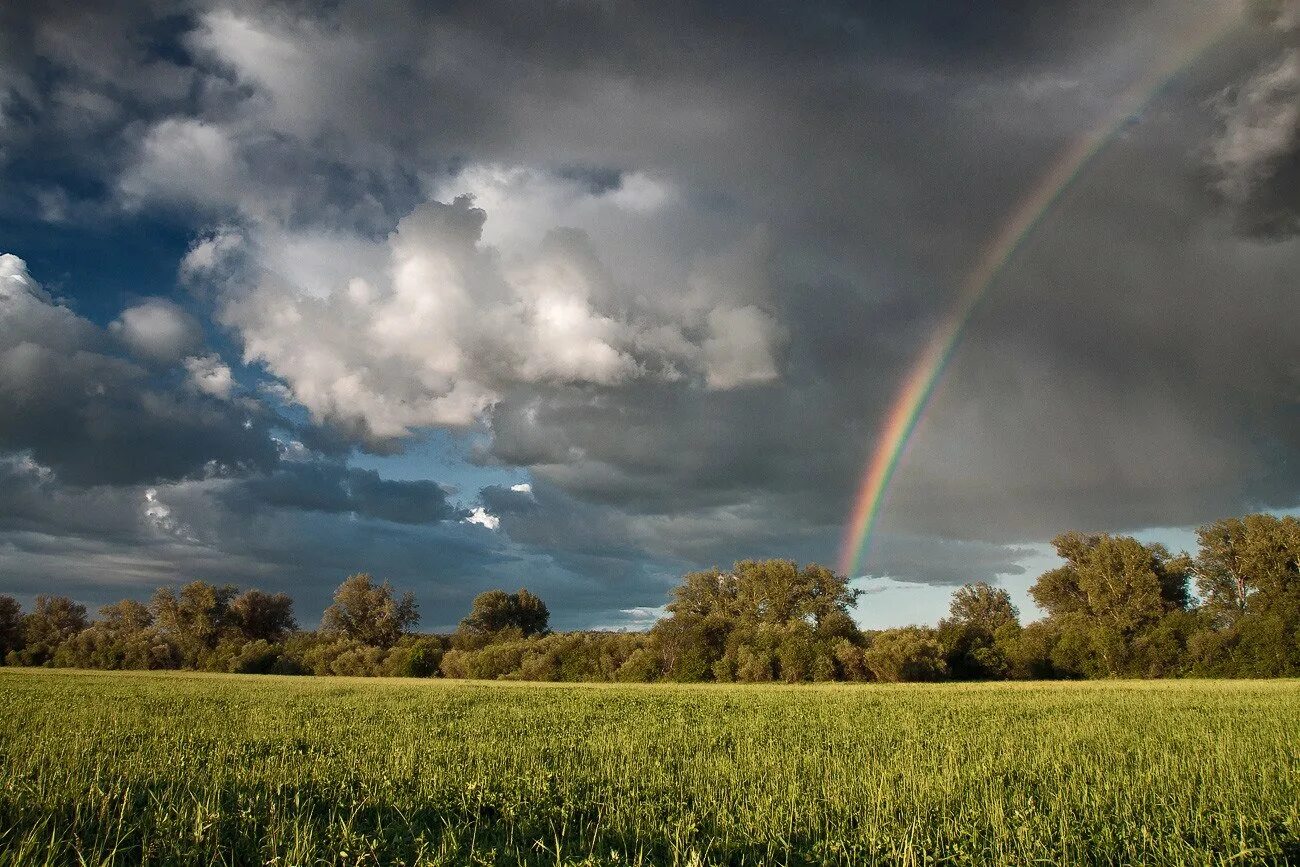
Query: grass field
point(102, 768)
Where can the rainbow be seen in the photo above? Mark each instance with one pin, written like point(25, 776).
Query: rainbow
point(910, 402)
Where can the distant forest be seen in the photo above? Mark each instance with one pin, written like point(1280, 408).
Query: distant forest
point(1116, 608)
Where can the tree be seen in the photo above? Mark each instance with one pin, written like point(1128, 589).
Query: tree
point(531, 614)
point(122, 638)
point(418, 657)
point(11, 625)
point(496, 611)
point(765, 591)
point(263, 616)
point(127, 616)
point(1248, 573)
point(54, 619)
point(367, 612)
point(905, 655)
point(762, 619)
point(196, 618)
point(980, 624)
point(1249, 565)
point(1028, 652)
point(983, 606)
point(1110, 590)
point(689, 644)
point(705, 593)
point(797, 651)
point(1115, 579)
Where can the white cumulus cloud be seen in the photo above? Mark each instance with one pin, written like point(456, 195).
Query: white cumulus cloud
point(158, 330)
point(430, 326)
point(483, 518)
point(525, 203)
point(184, 160)
point(209, 375)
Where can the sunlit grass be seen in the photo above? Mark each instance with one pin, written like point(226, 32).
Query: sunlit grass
point(103, 768)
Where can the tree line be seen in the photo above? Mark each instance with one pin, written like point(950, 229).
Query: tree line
point(1116, 608)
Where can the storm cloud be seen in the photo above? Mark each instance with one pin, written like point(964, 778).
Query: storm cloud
point(97, 417)
point(669, 264)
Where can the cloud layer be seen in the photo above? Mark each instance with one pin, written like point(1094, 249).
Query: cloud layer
point(667, 263)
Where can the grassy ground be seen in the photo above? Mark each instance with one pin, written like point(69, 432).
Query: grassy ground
point(102, 768)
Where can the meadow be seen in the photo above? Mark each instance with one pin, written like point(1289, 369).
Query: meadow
point(171, 768)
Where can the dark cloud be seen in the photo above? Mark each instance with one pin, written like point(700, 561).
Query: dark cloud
point(1135, 367)
point(330, 487)
point(97, 418)
point(704, 248)
point(105, 543)
point(1254, 156)
point(35, 503)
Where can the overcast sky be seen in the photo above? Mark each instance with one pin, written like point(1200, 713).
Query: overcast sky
point(584, 295)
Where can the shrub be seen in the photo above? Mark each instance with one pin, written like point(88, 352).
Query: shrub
point(905, 655)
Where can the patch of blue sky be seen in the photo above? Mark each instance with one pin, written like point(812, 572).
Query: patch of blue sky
point(887, 603)
point(446, 458)
point(99, 271)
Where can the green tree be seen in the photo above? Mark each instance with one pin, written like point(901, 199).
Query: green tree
point(263, 616)
point(850, 663)
point(642, 665)
point(797, 651)
point(983, 606)
point(1028, 651)
point(909, 654)
point(1114, 579)
point(765, 591)
point(1249, 565)
point(54, 620)
point(1248, 575)
point(122, 638)
point(196, 619)
point(11, 625)
point(368, 613)
point(414, 656)
point(496, 612)
point(704, 593)
point(759, 620)
point(690, 644)
point(981, 622)
point(127, 616)
point(1110, 590)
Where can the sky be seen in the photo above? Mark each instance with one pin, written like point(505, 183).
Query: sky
point(581, 296)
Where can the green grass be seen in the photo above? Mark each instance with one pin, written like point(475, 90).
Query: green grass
point(104, 768)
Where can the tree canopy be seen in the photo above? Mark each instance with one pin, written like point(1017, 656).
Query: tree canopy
point(369, 613)
point(496, 611)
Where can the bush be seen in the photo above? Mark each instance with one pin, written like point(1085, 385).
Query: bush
point(906, 655)
point(263, 657)
point(849, 660)
point(641, 666)
point(493, 662)
point(419, 657)
point(754, 665)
